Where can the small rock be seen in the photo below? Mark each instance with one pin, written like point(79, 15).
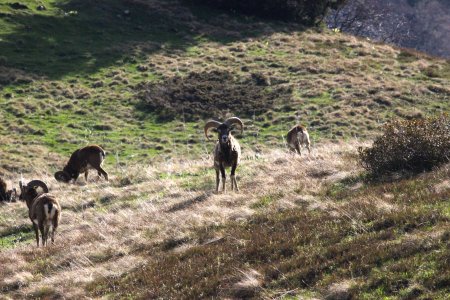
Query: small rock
point(41, 7)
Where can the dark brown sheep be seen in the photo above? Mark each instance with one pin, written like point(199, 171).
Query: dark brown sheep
point(227, 152)
point(81, 161)
point(5, 194)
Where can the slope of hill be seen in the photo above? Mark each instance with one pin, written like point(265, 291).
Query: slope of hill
point(140, 78)
point(80, 73)
point(308, 226)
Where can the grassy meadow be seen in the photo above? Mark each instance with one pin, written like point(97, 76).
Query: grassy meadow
point(140, 78)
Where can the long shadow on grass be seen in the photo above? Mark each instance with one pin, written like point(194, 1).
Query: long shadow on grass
point(80, 37)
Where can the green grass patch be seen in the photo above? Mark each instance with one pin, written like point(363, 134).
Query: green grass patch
point(11, 236)
point(266, 200)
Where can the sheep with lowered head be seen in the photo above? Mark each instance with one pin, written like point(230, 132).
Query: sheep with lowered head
point(81, 161)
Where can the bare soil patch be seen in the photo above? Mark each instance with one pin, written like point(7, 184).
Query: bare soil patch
point(215, 93)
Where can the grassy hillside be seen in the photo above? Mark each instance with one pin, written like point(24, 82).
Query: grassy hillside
point(78, 73)
point(140, 78)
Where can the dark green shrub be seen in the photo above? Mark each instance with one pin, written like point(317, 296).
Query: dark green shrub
point(411, 145)
point(303, 11)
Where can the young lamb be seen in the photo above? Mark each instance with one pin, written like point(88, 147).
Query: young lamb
point(227, 151)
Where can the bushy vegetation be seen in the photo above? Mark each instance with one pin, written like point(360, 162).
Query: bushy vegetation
point(302, 11)
point(412, 145)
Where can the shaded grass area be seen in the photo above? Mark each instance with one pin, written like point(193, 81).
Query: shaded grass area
point(385, 240)
point(74, 37)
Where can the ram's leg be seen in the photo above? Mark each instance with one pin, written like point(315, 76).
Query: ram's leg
point(233, 177)
point(298, 148)
point(42, 230)
point(292, 148)
point(46, 231)
point(103, 172)
point(217, 180)
point(36, 232)
point(307, 142)
point(86, 175)
point(54, 227)
point(222, 171)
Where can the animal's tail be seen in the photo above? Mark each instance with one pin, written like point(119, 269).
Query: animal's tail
point(50, 211)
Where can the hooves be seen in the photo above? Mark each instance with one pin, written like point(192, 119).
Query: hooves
point(226, 191)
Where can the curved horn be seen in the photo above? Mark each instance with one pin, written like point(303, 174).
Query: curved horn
point(211, 124)
point(235, 120)
point(62, 176)
point(38, 183)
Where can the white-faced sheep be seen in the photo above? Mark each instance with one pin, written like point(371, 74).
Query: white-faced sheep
point(81, 161)
point(5, 194)
point(43, 209)
point(298, 136)
point(227, 152)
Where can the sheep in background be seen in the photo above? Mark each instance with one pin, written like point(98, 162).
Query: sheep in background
point(5, 194)
point(296, 137)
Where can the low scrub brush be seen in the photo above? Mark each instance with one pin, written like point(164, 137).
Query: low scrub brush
point(409, 145)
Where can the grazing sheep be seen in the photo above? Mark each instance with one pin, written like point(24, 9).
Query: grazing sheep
point(6, 195)
point(296, 137)
point(89, 157)
point(227, 152)
point(43, 209)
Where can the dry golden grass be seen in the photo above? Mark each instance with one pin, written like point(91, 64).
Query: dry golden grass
point(106, 225)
